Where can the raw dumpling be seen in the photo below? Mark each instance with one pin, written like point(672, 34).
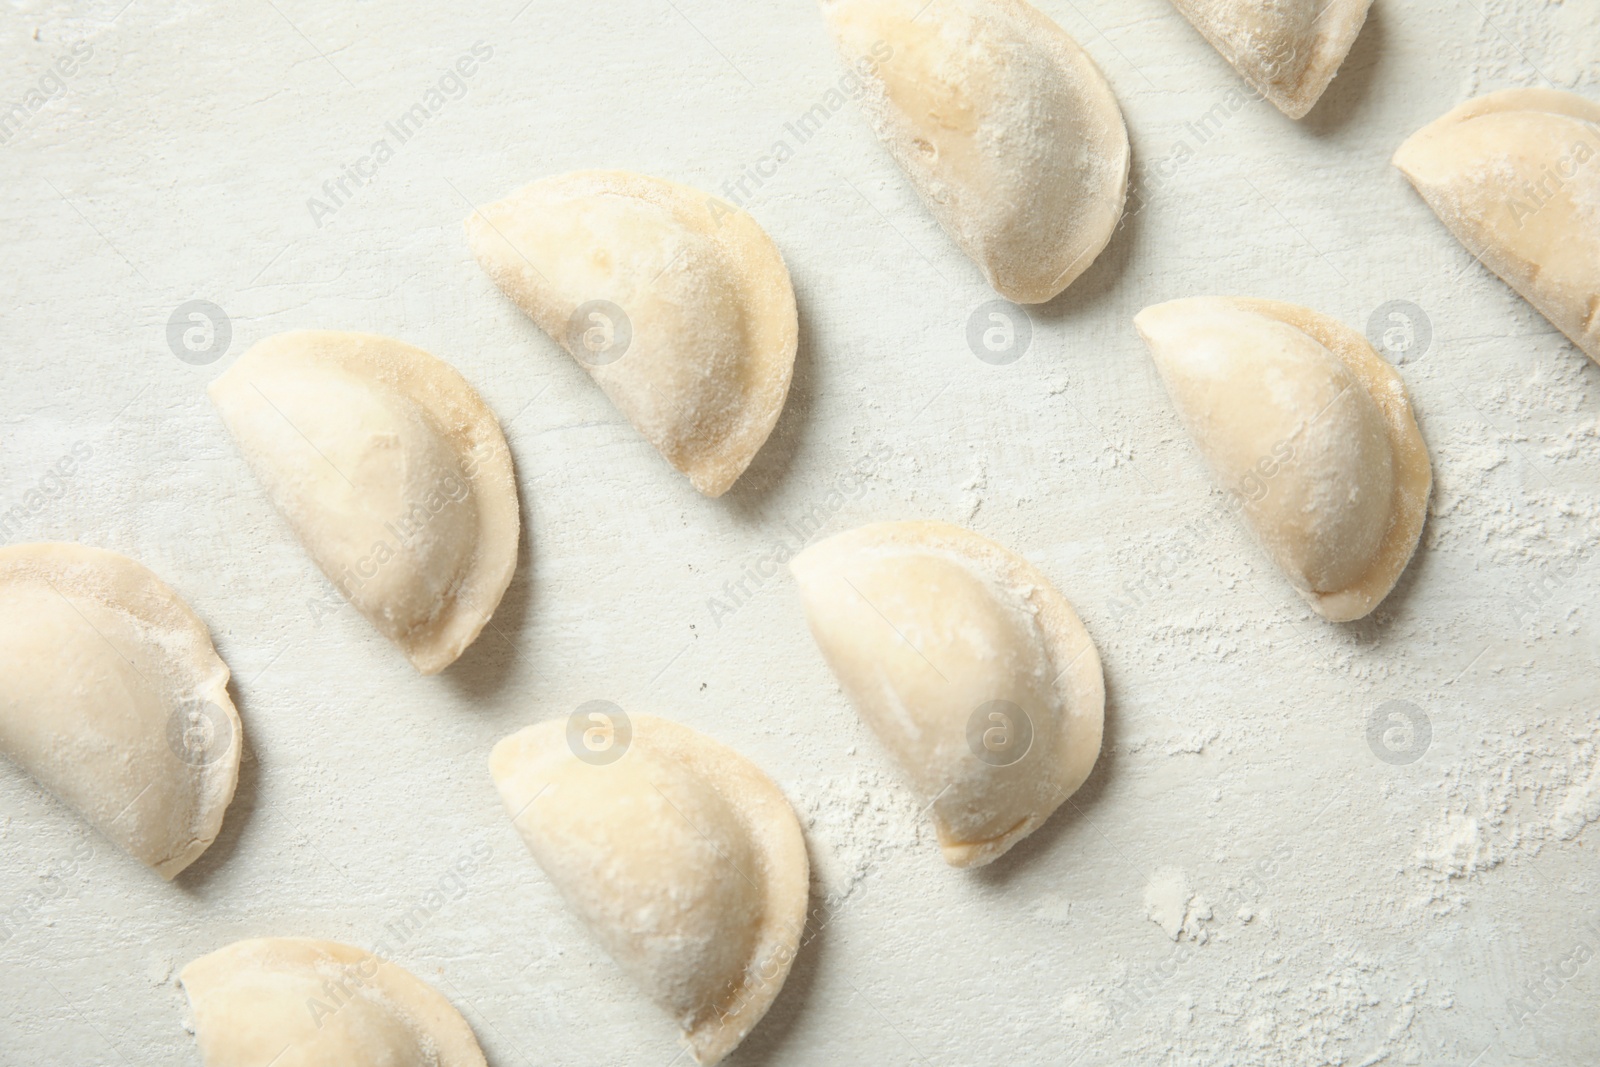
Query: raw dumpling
point(1514, 176)
point(1311, 434)
point(115, 700)
point(299, 1002)
point(1288, 50)
point(972, 670)
point(1006, 128)
point(677, 305)
point(392, 472)
point(681, 857)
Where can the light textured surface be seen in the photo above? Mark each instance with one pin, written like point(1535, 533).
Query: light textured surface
point(1241, 881)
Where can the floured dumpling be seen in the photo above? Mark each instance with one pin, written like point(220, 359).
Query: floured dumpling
point(299, 1002)
point(115, 700)
point(1311, 434)
point(971, 669)
point(1288, 50)
point(677, 305)
point(1006, 128)
point(393, 474)
point(681, 857)
point(1515, 177)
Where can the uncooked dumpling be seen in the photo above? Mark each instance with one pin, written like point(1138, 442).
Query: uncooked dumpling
point(972, 670)
point(393, 474)
point(677, 305)
point(1311, 434)
point(298, 1002)
point(1006, 128)
point(681, 857)
point(115, 700)
point(1515, 178)
point(1288, 50)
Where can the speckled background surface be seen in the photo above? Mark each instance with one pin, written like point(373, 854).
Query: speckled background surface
point(1242, 881)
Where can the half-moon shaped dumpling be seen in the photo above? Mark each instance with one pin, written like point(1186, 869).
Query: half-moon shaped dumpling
point(393, 474)
point(677, 305)
point(299, 1002)
point(1288, 50)
point(972, 670)
point(115, 699)
point(681, 857)
point(1311, 433)
point(1514, 175)
point(1006, 128)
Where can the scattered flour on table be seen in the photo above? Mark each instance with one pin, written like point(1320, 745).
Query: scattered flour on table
point(1172, 904)
point(1555, 36)
point(1518, 790)
point(853, 822)
point(1053, 908)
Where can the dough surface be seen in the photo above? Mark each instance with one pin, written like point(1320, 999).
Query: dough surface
point(393, 474)
point(681, 857)
point(1515, 175)
point(115, 700)
point(974, 673)
point(1288, 50)
point(299, 1002)
point(1004, 126)
point(1311, 433)
point(678, 306)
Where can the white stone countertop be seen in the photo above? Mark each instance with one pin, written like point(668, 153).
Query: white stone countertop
point(1242, 881)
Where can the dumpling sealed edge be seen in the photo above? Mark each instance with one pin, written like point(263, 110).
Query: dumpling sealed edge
point(975, 674)
point(683, 860)
point(302, 1002)
point(115, 699)
point(1515, 177)
point(393, 474)
point(678, 307)
point(1311, 434)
